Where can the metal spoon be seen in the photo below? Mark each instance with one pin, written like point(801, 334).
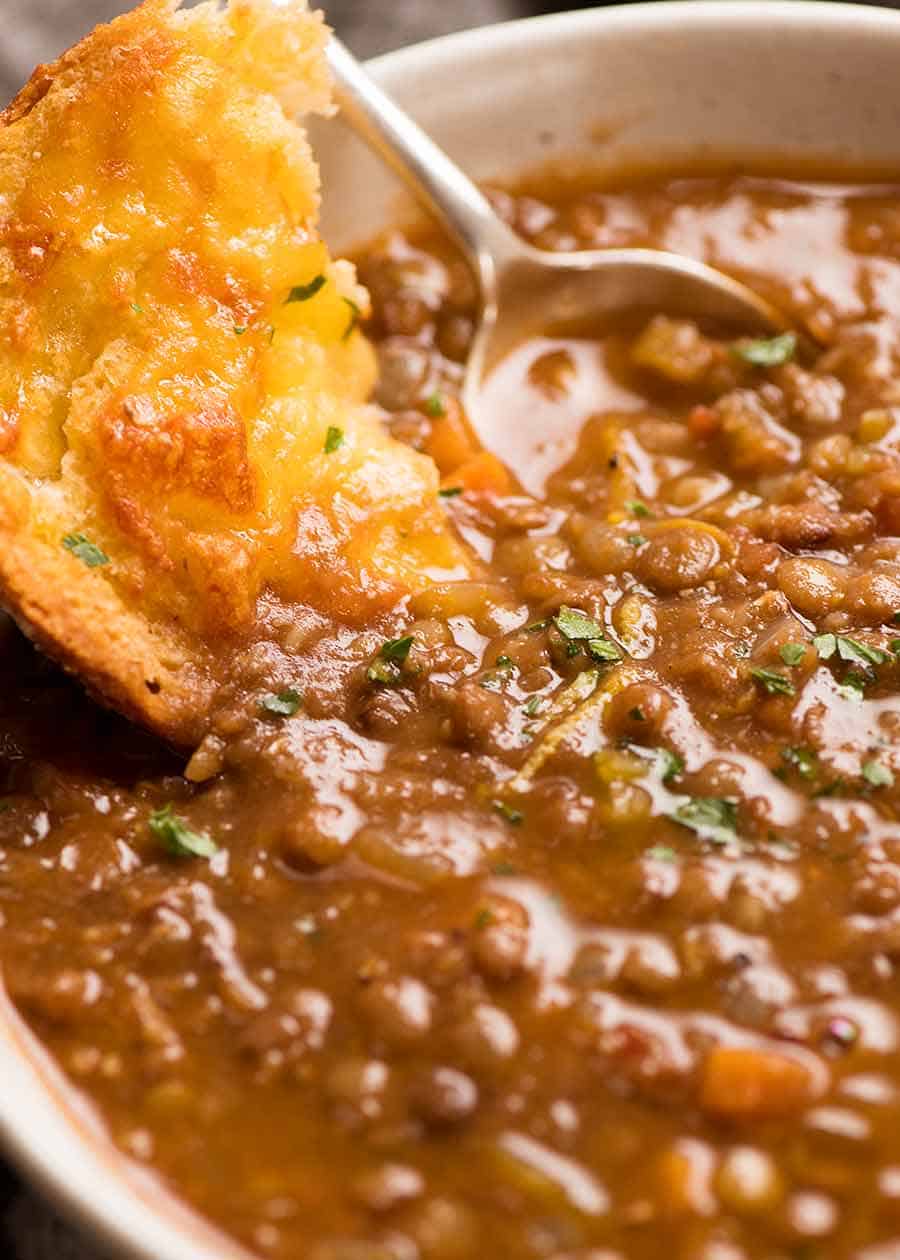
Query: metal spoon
point(523, 289)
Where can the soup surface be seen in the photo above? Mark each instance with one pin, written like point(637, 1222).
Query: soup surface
point(556, 914)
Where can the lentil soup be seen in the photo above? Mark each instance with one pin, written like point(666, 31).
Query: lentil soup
point(556, 914)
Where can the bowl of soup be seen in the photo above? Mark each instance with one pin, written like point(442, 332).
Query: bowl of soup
point(561, 912)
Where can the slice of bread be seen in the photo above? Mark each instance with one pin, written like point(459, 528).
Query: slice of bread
point(182, 387)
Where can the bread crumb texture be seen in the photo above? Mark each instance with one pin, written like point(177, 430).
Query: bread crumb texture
point(175, 346)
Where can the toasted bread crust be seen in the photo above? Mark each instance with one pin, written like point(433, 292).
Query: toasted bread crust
point(175, 347)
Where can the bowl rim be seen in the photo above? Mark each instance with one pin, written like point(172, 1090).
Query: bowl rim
point(688, 15)
point(53, 1137)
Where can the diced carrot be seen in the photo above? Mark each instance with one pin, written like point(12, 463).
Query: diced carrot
point(744, 1083)
point(452, 441)
point(485, 473)
point(703, 422)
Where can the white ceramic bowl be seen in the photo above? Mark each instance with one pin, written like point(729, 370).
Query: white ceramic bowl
point(809, 84)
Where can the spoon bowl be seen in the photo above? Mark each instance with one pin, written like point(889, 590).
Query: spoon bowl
point(524, 290)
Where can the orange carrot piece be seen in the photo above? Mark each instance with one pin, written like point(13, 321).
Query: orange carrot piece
point(452, 442)
point(743, 1083)
point(483, 473)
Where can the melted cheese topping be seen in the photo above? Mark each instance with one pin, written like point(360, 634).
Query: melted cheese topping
point(160, 391)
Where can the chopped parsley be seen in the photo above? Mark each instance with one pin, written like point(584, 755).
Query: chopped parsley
point(533, 705)
point(635, 540)
point(334, 439)
point(895, 646)
point(637, 714)
point(85, 551)
point(355, 314)
point(178, 837)
point(849, 650)
point(712, 818)
point(603, 650)
point(854, 684)
point(792, 653)
point(877, 774)
point(505, 662)
point(303, 292)
point(768, 351)
point(137, 308)
point(535, 627)
point(435, 406)
point(668, 763)
point(576, 625)
point(661, 853)
point(582, 631)
point(282, 703)
point(483, 919)
point(450, 492)
point(396, 649)
point(665, 763)
point(385, 669)
point(239, 330)
point(775, 683)
point(513, 816)
point(803, 760)
point(636, 508)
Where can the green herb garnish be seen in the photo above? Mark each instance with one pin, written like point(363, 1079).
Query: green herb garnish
point(603, 650)
point(637, 714)
point(282, 703)
point(303, 292)
point(86, 551)
point(635, 540)
point(803, 760)
point(792, 653)
point(713, 818)
point(661, 853)
point(396, 649)
point(137, 308)
point(637, 508)
point(581, 630)
point(665, 763)
point(849, 650)
point(854, 684)
point(435, 405)
point(877, 774)
point(334, 439)
point(513, 816)
point(776, 684)
point(533, 705)
point(450, 492)
point(385, 669)
point(239, 330)
point(768, 351)
point(355, 314)
point(576, 625)
point(178, 837)
point(668, 764)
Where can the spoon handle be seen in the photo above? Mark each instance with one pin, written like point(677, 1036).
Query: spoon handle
point(435, 180)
